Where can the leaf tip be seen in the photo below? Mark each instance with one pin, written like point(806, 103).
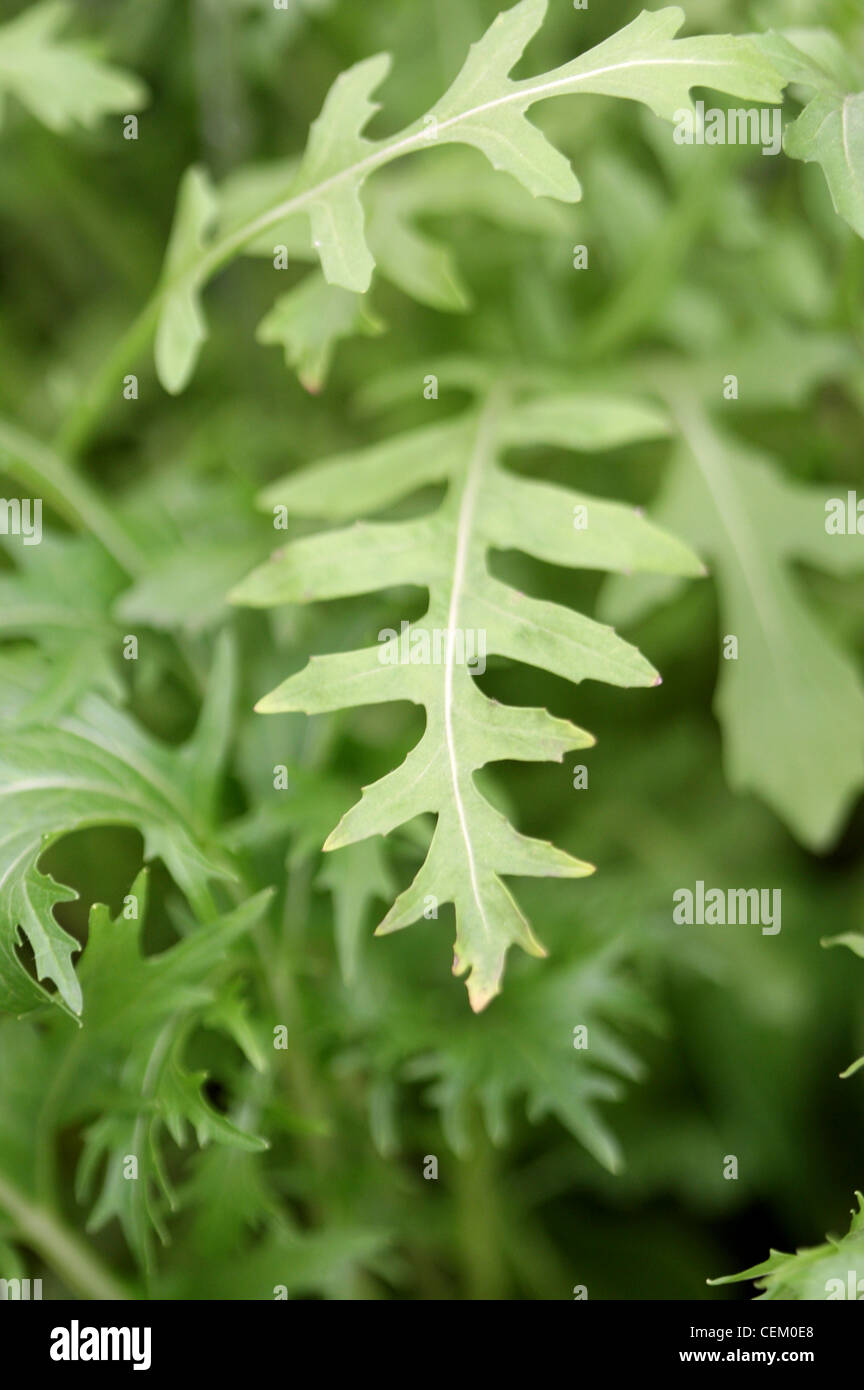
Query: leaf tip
point(480, 998)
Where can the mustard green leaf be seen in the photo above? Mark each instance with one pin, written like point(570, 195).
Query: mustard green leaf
point(791, 705)
point(310, 320)
point(483, 108)
point(181, 329)
point(470, 615)
point(61, 81)
point(830, 129)
point(821, 1273)
point(92, 767)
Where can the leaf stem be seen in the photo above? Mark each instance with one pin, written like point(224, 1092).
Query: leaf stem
point(80, 425)
point(60, 1248)
point(38, 465)
point(478, 1218)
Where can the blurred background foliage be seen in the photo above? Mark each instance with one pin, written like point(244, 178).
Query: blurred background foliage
point(713, 1041)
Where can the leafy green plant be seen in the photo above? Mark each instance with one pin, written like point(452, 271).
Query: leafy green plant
point(828, 1271)
point(60, 81)
point(446, 551)
point(713, 491)
point(483, 108)
point(96, 767)
point(213, 1084)
point(830, 129)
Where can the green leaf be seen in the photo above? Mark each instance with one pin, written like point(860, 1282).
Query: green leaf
point(822, 1273)
point(309, 321)
point(483, 108)
point(170, 1100)
point(123, 1062)
point(830, 132)
point(356, 876)
point(830, 129)
point(792, 705)
point(448, 183)
point(336, 143)
point(60, 81)
point(129, 995)
point(70, 625)
point(445, 552)
point(643, 62)
point(544, 1069)
point(181, 328)
point(95, 767)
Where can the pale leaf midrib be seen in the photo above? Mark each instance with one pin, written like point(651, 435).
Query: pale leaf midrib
point(388, 150)
point(467, 504)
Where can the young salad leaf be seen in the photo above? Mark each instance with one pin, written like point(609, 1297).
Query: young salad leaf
point(157, 1000)
point(138, 1013)
point(96, 767)
point(830, 129)
point(821, 1273)
point(311, 319)
point(471, 1062)
point(483, 108)
point(470, 612)
point(60, 81)
point(792, 705)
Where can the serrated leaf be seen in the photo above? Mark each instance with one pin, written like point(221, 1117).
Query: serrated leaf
point(643, 62)
point(129, 994)
point(170, 1101)
point(150, 1001)
point(826, 1272)
point(830, 129)
point(94, 767)
point(483, 108)
point(447, 184)
point(123, 1063)
point(445, 551)
point(310, 320)
point(545, 1070)
point(792, 705)
point(60, 81)
point(181, 328)
point(830, 132)
point(335, 143)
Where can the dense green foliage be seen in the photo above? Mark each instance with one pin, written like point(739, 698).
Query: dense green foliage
point(415, 345)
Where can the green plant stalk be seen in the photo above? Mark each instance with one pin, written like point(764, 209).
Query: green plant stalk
point(80, 425)
point(68, 1256)
point(479, 1219)
point(36, 465)
point(83, 420)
